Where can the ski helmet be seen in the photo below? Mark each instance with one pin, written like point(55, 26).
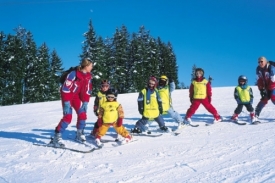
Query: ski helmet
point(199, 69)
point(163, 80)
point(111, 92)
point(242, 78)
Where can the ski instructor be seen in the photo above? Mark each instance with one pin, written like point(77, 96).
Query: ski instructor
point(265, 73)
point(75, 93)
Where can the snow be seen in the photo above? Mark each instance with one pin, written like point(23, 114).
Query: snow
point(223, 152)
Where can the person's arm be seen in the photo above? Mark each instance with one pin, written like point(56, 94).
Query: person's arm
point(68, 86)
point(172, 86)
point(191, 92)
point(140, 101)
point(209, 91)
point(96, 105)
point(120, 115)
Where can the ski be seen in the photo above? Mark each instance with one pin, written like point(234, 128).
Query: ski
point(119, 143)
point(255, 123)
point(107, 140)
point(80, 142)
point(239, 123)
point(209, 124)
point(178, 131)
point(147, 135)
point(67, 148)
point(192, 125)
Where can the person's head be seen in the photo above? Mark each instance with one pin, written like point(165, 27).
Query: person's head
point(163, 80)
point(86, 65)
point(262, 61)
point(199, 72)
point(104, 85)
point(242, 80)
point(152, 82)
point(111, 95)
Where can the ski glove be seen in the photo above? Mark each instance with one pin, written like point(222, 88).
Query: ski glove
point(99, 122)
point(263, 93)
point(238, 101)
point(119, 122)
point(140, 110)
point(191, 100)
point(170, 80)
point(160, 110)
point(85, 106)
point(67, 107)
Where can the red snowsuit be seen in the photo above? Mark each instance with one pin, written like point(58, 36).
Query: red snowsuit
point(77, 90)
point(196, 100)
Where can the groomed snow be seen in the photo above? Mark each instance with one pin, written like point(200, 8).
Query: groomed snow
point(224, 152)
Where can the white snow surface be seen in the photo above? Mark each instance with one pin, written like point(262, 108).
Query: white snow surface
point(223, 152)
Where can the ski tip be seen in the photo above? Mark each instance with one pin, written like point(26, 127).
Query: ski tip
point(197, 125)
point(255, 122)
point(208, 124)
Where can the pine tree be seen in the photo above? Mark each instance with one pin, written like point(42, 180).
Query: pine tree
point(55, 73)
point(121, 56)
point(136, 59)
point(143, 66)
point(31, 64)
point(168, 64)
point(193, 74)
point(100, 70)
point(2, 63)
point(90, 50)
point(14, 71)
point(42, 75)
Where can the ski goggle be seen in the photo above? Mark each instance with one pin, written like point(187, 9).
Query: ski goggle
point(111, 97)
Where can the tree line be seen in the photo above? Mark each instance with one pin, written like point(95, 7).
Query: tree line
point(30, 73)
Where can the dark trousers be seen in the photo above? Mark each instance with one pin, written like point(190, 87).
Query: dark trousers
point(239, 108)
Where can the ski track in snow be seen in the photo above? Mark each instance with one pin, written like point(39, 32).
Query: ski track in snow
point(223, 152)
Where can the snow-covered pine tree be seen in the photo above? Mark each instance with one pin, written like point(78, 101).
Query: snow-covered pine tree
point(31, 64)
point(90, 50)
point(193, 74)
point(55, 72)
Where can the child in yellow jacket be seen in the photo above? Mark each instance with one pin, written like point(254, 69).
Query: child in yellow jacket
point(111, 114)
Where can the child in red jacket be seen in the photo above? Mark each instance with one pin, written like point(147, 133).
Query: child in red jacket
point(200, 92)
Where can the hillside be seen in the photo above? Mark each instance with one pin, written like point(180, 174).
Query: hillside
point(224, 152)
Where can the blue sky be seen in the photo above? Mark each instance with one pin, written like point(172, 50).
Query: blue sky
point(225, 38)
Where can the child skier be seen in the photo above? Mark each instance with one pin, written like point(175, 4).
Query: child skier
point(111, 114)
point(200, 92)
point(99, 100)
point(166, 87)
point(150, 107)
point(244, 96)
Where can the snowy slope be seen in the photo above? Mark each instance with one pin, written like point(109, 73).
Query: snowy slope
point(223, 152)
